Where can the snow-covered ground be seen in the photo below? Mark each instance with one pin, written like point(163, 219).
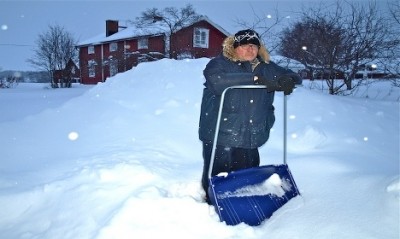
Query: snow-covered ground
point(122, 159)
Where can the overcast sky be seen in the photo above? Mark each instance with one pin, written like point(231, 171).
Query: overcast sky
point(22, 21)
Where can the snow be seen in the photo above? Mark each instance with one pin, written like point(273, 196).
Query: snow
point(272, 185)
point(122, 159)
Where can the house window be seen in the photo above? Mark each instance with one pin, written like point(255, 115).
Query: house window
point(113, 67)
point(113, 46)
point(92, 68)
point(143, 43)
point(90, 50)
point(200, 37)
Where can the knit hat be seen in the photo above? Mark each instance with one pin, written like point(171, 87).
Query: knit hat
point(244, 37)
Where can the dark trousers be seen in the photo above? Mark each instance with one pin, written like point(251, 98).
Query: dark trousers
point(227, 159)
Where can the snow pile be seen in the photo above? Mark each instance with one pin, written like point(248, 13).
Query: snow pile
point(273, 185)
point(122, 159)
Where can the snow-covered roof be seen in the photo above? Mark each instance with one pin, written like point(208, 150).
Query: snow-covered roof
point(205, 18)
point(135, 32)
point(126, 33)
point(287, 62)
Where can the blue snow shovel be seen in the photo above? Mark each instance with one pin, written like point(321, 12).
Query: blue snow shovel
point(254, 194)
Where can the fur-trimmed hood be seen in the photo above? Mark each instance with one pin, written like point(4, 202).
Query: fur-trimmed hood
point(229, 51)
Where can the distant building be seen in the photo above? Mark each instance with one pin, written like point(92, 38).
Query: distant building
point(64, 78)
point(288, 63)
point(121, 48)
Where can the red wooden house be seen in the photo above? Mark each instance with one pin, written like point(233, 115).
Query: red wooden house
point(122, 48)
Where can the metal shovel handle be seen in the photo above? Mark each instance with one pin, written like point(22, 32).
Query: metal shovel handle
point(219, 122)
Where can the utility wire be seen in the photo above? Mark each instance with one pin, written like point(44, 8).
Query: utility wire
point(10, 44)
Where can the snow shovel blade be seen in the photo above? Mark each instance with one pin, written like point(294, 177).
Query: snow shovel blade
point(252, 195)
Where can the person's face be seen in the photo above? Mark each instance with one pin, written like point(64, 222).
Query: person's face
point(247, 52)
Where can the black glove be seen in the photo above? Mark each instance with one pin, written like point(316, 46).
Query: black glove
point(286, 83)
point(272, 85)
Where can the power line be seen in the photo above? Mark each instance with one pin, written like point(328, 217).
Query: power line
point(10, 44)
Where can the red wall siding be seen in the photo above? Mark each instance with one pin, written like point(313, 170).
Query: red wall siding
point(182, 41)
point(128, 55)
point(84, 58)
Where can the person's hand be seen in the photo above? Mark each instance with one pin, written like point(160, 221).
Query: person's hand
point(286, 83)
point(272, 85)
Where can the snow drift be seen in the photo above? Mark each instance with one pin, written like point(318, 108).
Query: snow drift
point(122, 160)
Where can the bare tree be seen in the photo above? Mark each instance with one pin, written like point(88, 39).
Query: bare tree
point(266, 25)
point(54, 49)
point(394, 8)
point(170, 18)
point(392, 62)
point(339, 38)
point(316, 43)
point(367, 38)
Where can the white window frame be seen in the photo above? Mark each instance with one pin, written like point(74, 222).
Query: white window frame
point(92, 68)
point(113, 67)
point(143, 43)
point(90, 49)
point(201, 37)
point(113, 46)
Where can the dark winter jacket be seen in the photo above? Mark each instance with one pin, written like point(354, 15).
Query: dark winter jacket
point(248, 114)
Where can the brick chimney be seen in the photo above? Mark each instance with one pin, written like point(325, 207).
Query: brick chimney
point(111, 27)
